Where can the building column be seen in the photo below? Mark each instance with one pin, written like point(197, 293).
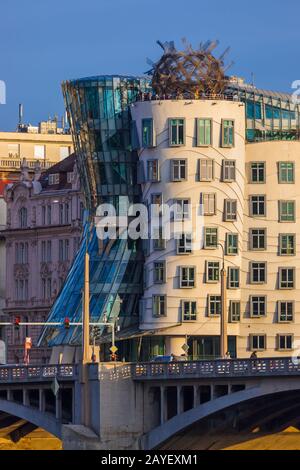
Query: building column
point(58, 407)
point(179, 399)
point(9, 395)
point(162, 405)
point(26, 397)
point(41, 400)
point(196, 396)
point(174, 345)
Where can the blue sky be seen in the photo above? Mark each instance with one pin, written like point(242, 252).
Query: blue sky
point(43, 42)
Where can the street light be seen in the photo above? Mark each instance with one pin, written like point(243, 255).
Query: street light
point(223, 336)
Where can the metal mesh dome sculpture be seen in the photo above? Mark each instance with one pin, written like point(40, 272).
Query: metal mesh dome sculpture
point(189, 73)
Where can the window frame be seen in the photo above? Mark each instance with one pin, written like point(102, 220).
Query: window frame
point(198, 144)
point(159, 315)
point(177, 132)
point(227, 245)
point(227, 212)
point(209, 162)
point(231, 317)
point(280, 179)
point(184, 234)
point(211, 247)
point(208, 196)
point(251, 196)
point(150, 165)
point(281, 235)
point(188, 268)
point(258, 348)
point(223, 144)
point(286, 201)
point(178, 180)
point(264, 263)
point(214, 270)
point(229, 169)
point(251, 180)
point(152, 133)
point(280, 271)
point(251, 306)
point(189, 301)
point(163, 267)
point(219, 303)
point(251, 235)
point(285, 335)
point(279, 305)
point(231, 269)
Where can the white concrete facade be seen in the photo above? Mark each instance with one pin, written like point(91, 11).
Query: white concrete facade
point(265, 327)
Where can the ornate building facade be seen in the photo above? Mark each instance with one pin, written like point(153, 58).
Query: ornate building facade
point(43, 231)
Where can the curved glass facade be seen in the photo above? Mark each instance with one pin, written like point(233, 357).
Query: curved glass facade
point(100, 121)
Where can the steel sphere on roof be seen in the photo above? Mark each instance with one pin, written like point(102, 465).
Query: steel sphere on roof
point(190, 72)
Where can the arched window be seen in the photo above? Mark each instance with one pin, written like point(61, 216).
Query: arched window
point(23, 217)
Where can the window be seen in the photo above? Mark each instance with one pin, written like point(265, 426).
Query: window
point(258, 273)
point(258, 205)
point(21, 254)
point(286, 278)
point(210, 237)
point(39, 151)
point(230, 212)
point(159, 242)
point(187, 276)
point(285, 311)
point(228, 171)
point(184, 243)
point(179, 170)
point(189, 310)
point(153, 171)
point(227, 133)
point(21, 286)
point(258, 172)
point(257, 342)
point(258, 239)
point(232, 243)
point(159, 272)
point(159, 305)
point(286, 211)
point(208, 201)
point(182, 209)
point(206, 170)
point(23, 217)
point(63, 253)
point(234, 311)
point(46, 251)
point(212, 271)
point(53, 178)
point(156, 201)
point(287, 244)
point(147, 133)
point(49, 215)
point(284, 342)
point(204, 132)
point(176, 132)
point(64, 152)
point(258, 306)
point(214, 305)
point(233, 277)
point(286, 173)
point(64, 213)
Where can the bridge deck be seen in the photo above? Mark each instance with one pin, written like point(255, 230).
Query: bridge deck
point(263, 367)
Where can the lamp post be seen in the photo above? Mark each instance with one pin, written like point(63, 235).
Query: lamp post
point(223, 335)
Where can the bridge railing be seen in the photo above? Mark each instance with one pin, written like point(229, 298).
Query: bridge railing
point(216, 368)
point(11, 373)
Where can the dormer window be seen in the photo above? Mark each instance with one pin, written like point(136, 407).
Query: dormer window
point(23, 217)
point(53, 178)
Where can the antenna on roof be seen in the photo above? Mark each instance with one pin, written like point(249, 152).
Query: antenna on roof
point(252, 79)
point(20, 114)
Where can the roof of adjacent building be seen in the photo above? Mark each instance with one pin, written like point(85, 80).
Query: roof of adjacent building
point(63, 168)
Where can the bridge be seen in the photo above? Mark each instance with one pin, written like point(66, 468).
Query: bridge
point(143, 405)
